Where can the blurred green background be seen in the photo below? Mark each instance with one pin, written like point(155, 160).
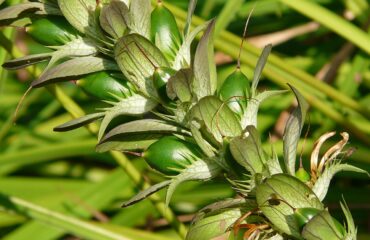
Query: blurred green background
point(323, 49)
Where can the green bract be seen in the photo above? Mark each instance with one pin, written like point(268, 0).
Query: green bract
point(291, 191)
point(235, 91)
point(52, 31)
point(169, 155)
point(104, 86)
point(303, 175)
point(164, 31)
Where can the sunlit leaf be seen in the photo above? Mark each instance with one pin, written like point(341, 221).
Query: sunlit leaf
point(214, 224)
point(81, 15)
point(25, 61)
point(200, 170)
point(14, 12)
point(202, 143)
point(128, 142)
point(321, 186)
point(131, 106)
point(144, 126)
point(262, 60)
point(321, 227)
point(248, 151)
point(183, 56)
point(114, 18)
point(138, 58)
point(147, 192)
point(292, 132)
point(219, 120)
point(74, 69)
point(79, 122)
point(204, 67)
point(179, 85)
point(140, 17)
point(290, 190)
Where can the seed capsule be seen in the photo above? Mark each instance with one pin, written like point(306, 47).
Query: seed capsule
point(235, 90)
point(170, 154)
point(52, 31)
point(103, 86)
point(160, 79)
point(164, 31)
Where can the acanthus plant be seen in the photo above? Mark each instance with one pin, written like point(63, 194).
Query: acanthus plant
point(137, 61)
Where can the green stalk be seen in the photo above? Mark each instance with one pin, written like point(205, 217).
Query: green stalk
point(74, 225)
point(226, 15)
point(332, 21)
point(11, 162)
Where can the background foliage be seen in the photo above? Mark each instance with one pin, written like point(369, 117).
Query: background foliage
point(322, 47)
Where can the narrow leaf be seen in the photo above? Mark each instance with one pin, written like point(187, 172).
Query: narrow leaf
point(205, 76)
point(183, 55)
point(79, 47)
point(25, 61)
point(73, 69)
point(128, 142)
point(114, 18)
point(293, 131)
point(322, 184)
point(144, 126)
point(78, 122)
point(259, 67)
point(147, 192)
point(198, 170)
point(248, 151)
point(81, 15)
point(131, 106)
point(15, 12)
point(250, 115)
point(207, 148)
point(191, 8)
point(140, 17)
point(72, 224)
point(179, 85)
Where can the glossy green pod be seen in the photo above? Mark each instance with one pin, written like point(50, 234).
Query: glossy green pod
point(52, 31)
point(160, 79)
point(103, 86)
point(322, 227)
point(170, 154)
point(164, 31)
point(304, 215)
point(235, 90)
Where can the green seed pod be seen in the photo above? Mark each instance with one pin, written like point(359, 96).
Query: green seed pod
point(235, 90)
point(160, 79)
point(304, 215)
point(104, 86)
point(165, 32)
point(170, 154)
point(303, 175)
point(52, 31)
point(323, 226)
